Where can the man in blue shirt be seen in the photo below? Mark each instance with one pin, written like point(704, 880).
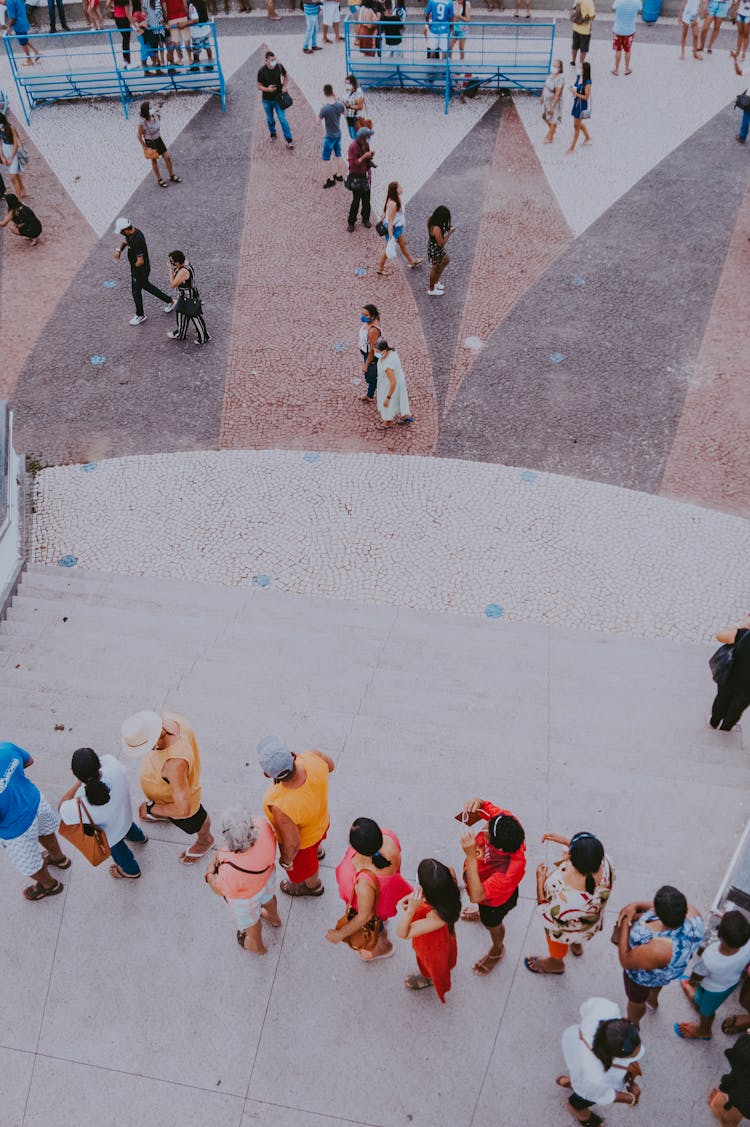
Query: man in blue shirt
point(626, 14)
point(17, 22)
point(439, 17)
point(26, 819)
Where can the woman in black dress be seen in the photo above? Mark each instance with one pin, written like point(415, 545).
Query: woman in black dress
point(25, 222)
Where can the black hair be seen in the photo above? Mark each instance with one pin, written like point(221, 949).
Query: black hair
point(613, 1039)
point(441, 217)
point(382, 345)
point(506, 833)
point(353, 79)
point(12, 201)
point(393, 193)
point(87, 767)
point(738, 1054)
point(177, 256)
point(372, 310)
point(145, 110)
point(670, 906)
point(7, 129)
point(270, 54)
point(440, 890)
point(328, 90)
point(734, 929)
point(586, 854)
point(366, 837)
point(586, 73)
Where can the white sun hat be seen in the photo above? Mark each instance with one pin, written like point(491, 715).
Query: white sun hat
point(140, 733)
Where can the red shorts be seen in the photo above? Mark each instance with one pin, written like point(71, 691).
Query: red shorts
point(305, 863)
point(622, 42)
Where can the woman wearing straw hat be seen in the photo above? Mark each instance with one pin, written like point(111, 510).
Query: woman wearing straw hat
point(170, 775)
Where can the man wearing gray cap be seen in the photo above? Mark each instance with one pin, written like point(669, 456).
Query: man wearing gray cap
point(360, 157)
point(296, 805)
point(140, 268)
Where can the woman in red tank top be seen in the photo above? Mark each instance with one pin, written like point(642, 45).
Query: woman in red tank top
point(429, 920)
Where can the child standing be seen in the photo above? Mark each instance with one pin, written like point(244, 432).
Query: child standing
point(716, 975)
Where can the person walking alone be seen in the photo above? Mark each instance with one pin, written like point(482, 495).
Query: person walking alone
point(150, 138)
point(733, 687)
point(361, 158)
point(189, 306)
point(623, 32)
point(140, 268)
point(330, 114)
point(272, 83)
point(581, 107)
point(439, 230)
point(394, 220)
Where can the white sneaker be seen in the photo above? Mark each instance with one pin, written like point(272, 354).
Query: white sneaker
point(435, 293)
point(174, 335)
point(170, 307)
point(136, 320)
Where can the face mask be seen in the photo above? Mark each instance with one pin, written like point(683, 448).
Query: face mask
point(377, 355)
point(271, 63)
point(365, 320)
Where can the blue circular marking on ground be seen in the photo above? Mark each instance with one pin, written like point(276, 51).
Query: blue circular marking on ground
point(261, 580)
point(109, 285)
point(360, 271)
point(576, 281)
point(67, 561)
point(312, 457)
point(493, 610)
point(97, 361)
point(340, 346)
point(89, 467)
point(529, 475)
point(556, 357)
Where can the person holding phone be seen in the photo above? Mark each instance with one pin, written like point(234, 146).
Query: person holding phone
point(494, 867)
point(429, 920)
point(439, 230)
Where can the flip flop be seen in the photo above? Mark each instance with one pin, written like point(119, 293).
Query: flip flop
point(154, 818)
point(486, 970)
point(241, 939)
point(531, 964)
point(472, 916)
point(189, 858)
point(119, 874)
point(687, 1036)
point(729, 1025)
point(366, 957)
point(62, 864)
point(39, 892)
point(290, 889)
point(417, 982)
point(321, 853)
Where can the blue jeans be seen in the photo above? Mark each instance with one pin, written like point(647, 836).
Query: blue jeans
point(745, 127)
point(123, 856)
point(269, 105)
point(311, 26)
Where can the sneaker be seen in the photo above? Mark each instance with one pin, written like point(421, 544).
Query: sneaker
point(174, 335)
point(136, 320)
point(170, 307)
point(317, 48)
point(330, 183)
point(350, 227)
point(435, 293)
point(339, 178)
point(290, 144)
point(366, 224)
point(273, 136)
point(740, 139)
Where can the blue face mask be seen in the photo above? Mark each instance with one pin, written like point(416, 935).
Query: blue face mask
point(365, 320)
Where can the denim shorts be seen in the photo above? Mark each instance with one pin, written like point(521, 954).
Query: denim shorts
point(247, 912)
point(718, 9)
point(331, 146)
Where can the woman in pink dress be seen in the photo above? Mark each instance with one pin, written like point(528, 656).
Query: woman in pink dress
point(371, 886)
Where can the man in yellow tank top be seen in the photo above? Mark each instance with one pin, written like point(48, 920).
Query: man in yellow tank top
point(170, 775)
point(296, 805)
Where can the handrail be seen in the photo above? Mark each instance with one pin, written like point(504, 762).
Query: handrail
point(13, 516)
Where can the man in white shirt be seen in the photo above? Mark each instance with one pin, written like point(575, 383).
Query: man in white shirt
point(716, 974)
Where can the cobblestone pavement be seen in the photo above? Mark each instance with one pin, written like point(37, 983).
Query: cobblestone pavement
point(585, 327)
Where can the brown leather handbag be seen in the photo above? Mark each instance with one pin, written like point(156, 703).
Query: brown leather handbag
point(88, 838)
point(366, 939)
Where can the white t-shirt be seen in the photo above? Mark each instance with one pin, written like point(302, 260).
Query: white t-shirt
point(116, 816)
point(586, 1071)
point(721, 972)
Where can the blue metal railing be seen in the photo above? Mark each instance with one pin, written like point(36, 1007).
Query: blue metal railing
point(4, 459)
point(89, 64)
point(496, 54)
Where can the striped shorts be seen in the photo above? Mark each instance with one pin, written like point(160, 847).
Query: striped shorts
point(25, 851)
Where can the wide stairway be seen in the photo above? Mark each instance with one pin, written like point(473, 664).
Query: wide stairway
point(137, 995)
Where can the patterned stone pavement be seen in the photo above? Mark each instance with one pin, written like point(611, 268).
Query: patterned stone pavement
point(592, 324)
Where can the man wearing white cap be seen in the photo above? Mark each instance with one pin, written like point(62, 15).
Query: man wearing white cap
point(296, 805)
point(140, 268)
point(170, 775)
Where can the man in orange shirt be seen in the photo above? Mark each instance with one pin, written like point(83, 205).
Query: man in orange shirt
point(494, 868)
point(296, 805)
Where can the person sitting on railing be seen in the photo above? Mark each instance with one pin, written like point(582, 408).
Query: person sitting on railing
point(200, 33)
point(439, 15)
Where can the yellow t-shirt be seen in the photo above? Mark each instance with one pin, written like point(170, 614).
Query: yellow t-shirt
point(588, 12)
point(307, 806)
point(153, 784)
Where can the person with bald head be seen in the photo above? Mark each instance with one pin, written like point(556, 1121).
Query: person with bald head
point(170, 775)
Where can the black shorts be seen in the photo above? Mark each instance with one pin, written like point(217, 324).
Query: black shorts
point(156, 144)
point(193, 824)
point(579, 1103)
point(634, 991)
point(581, 42)
point(493, 917)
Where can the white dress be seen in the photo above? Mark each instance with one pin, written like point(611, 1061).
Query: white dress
point(399, 403)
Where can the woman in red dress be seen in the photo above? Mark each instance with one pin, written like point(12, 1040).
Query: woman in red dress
point(429, 921)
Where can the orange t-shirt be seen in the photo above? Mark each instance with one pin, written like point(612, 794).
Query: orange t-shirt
point(307, 806)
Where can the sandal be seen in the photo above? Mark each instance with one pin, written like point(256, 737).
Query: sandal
point(470, 914)
point(563, 1082)
point(63, 863)
point(576, 949)
point(681, 1029)
point(417, 982)
point(482, 970)
point(593, 1120)
point(189, 858)
point(321, 853)
point(154, 818)
point(163, 184)
point(39, 892)
point(383, 426)
point(241, 939)
point(367, 957)
point(290, 889)
point(731, 1026)
point(382, 273)
point(532, 964)
point(404, 423)
point(415, 263)
point(120, 874)
point(176, 179)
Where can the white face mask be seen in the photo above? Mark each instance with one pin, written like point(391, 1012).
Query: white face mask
point(377, 355)
point(272, 63)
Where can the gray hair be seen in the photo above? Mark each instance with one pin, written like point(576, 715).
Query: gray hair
point(238, 829)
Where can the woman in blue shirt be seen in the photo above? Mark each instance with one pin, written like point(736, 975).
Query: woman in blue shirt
point(581, 106)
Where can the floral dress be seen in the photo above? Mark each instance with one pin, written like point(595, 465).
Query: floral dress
point(551, 111)
point(572, 915)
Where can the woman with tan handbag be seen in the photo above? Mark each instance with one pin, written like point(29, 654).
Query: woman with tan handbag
point(371, 886)
point(150, 138)
point(101, 795)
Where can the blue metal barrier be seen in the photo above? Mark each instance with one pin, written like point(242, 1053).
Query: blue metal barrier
point(88, 64)
point(495, 54)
